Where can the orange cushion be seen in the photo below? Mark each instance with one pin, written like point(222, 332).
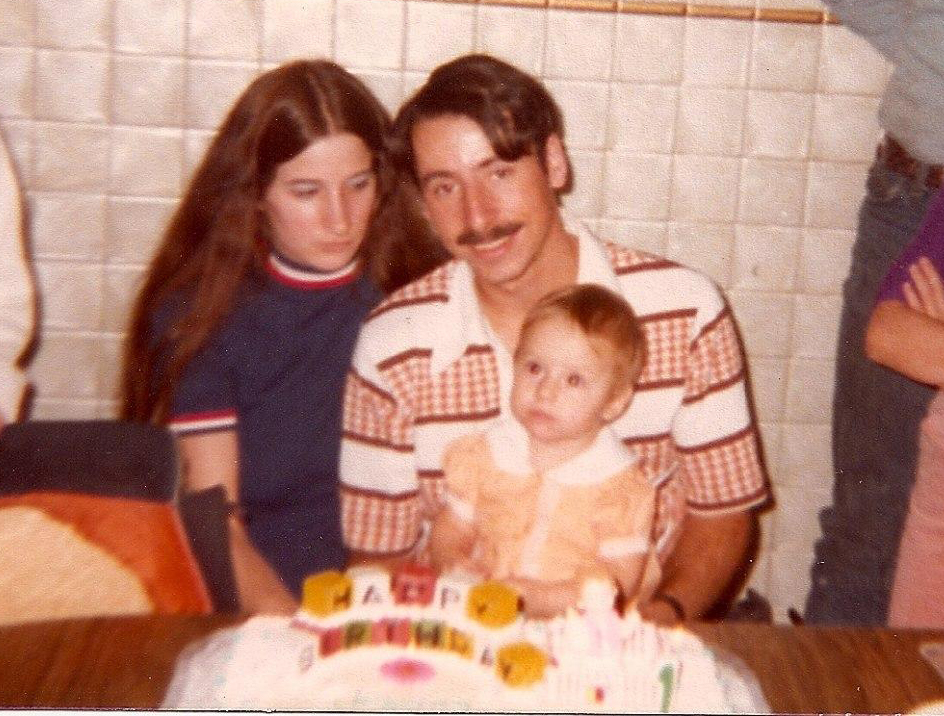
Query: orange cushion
point(146, 537)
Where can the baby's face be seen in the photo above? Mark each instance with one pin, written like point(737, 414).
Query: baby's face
point(562, 387)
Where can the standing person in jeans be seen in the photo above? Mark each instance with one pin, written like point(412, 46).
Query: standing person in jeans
point(906, 334)
point(876, 411)
point(484, 143)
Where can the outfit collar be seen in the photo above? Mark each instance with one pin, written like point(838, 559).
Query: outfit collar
point(295, 275)
point(464, 324)
point(607, 455)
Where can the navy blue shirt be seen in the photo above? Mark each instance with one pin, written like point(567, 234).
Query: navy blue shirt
point(274, 372)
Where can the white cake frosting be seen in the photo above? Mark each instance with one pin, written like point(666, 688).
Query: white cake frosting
point(380, 655)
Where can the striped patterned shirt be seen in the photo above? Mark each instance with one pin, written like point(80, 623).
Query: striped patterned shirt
point(427, 370)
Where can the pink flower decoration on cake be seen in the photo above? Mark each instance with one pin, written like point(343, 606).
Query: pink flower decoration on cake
point(407, 671)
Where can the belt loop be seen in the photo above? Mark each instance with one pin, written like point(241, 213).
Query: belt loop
point(920, 184)
point(922, 176)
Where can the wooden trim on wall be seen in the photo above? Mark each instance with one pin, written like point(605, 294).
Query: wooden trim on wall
point(676, 9)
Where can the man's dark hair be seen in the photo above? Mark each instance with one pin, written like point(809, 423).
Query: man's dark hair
point(514, 110)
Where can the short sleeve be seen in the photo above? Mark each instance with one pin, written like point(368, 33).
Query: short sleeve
point(205, 396)
point(714, 429)
point(624, 518)
point(381, 507)
point(461, 463)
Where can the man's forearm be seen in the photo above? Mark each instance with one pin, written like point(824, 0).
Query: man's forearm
point(708, 555)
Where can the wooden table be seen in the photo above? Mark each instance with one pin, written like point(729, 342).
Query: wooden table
point(128, 662)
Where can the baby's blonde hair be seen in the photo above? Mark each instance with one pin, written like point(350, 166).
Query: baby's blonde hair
point(604, 317)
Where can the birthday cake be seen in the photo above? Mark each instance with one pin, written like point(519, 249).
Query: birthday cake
point(366, 640)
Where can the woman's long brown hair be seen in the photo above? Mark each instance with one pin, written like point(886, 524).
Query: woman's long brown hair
point(215, 244)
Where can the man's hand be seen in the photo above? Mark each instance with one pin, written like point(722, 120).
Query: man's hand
point(658, 611)
point(709, 553)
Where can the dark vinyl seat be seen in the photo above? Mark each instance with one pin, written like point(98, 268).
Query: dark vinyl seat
point(126, 462)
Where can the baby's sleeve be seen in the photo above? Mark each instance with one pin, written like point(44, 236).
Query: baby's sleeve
point(623, 522)
point(460, 467)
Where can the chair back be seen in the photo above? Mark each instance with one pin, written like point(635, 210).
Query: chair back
point(91, 525)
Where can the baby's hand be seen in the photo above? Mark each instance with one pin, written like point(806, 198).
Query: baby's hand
point(468, 567)
point(543, 600)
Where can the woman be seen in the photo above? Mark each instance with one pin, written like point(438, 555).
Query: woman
point(906, 334)
point(242, 334)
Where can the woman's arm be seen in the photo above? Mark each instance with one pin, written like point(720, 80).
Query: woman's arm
point(907, 341)
point(212, 459)
point(909, 337)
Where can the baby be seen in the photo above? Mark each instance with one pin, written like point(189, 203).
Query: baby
point(550, 498)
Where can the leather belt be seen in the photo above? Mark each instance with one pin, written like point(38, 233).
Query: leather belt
point(896, 157)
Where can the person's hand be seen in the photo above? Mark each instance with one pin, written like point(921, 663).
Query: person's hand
point(276, 601)
point(544, 600)
point(660, 611)
point(924, 292)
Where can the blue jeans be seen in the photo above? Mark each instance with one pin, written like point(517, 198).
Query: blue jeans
point(876, 413)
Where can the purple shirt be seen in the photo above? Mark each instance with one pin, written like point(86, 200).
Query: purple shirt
point(929, 242)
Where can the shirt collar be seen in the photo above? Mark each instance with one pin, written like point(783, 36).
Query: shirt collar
point(607, 455)
point(464, 324)
point(293, 274)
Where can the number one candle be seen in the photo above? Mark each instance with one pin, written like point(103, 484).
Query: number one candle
point(667, 678)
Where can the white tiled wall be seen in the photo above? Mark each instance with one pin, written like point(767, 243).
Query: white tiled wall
point(738, 147)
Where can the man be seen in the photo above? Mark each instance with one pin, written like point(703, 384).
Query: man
point(484, 143)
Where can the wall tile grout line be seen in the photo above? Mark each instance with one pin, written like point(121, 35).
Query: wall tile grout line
point(681, 9)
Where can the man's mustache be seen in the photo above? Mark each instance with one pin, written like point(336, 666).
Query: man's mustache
point(471, 238)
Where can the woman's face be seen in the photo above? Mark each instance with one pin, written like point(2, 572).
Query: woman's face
point(320, 202)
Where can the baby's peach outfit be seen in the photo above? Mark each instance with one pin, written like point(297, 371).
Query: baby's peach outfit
point(563, 524)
